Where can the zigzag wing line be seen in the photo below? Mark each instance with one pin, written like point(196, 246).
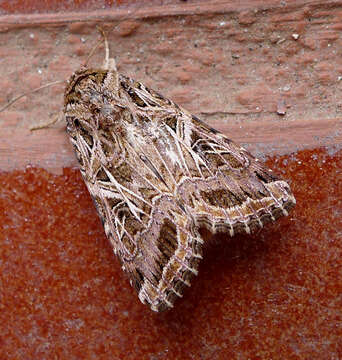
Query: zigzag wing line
point(156, 174)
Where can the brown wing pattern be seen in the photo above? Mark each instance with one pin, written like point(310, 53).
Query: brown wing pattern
point(156, 174)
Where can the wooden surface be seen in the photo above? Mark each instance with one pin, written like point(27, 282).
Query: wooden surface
point(234, 69)
point(235, 64)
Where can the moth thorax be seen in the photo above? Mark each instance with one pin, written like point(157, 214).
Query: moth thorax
point(109, 115)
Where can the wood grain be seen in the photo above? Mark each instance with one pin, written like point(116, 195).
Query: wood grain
point(230, 64)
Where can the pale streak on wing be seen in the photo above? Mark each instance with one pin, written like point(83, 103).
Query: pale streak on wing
point(177, 141)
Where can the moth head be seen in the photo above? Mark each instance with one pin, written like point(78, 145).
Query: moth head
point(93, 95)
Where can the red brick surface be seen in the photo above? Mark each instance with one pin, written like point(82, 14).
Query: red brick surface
point(273, 295)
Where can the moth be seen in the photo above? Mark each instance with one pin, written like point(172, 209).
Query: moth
point(157, 174)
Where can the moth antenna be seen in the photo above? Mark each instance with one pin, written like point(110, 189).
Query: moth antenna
point(106, 47)
point(108, 63)
point(92, 52)
point(28, 93)
point(56, 119)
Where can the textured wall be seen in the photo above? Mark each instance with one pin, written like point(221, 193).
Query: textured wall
point(237, 65)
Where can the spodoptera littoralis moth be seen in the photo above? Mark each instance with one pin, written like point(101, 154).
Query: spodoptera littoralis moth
point(157, 174)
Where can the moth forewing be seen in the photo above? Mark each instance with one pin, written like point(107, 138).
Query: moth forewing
point(157, 174)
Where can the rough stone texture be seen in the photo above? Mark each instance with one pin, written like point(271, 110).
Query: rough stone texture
point(266, 73)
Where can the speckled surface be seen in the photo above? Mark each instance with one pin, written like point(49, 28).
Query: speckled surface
point(238, 65)
point(235, 70)
point(273, 295)
point(55, 6)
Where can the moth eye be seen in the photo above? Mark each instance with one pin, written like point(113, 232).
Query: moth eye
point(76, 122)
